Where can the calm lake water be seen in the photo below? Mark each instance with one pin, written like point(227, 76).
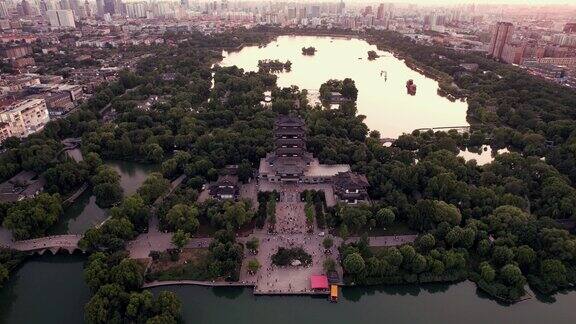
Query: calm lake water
point(387, 106)
point(51, 289)
point(482, 155)
point(46, 289)
point(84, 213)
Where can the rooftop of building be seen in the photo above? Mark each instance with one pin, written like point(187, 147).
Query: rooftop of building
point(289, 121)
point(23, 105)
point(350, 180)
point(23, 185)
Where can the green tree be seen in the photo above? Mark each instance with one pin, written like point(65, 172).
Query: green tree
point(180, 239)
point(30, 218)
point(327, 242)
point(253, 266)
point(329, 265)
point(354, 263)
point(487, 272)
point(183, 217)
point(385, 217)
point(154, 187)
point(107, 194)
point(128, 274)
point(167, 303)
point(426, 242)
point(512, 275)
point(343, 232)
point(253, 243)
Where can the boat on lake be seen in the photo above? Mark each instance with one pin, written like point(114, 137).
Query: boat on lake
point(411, 87)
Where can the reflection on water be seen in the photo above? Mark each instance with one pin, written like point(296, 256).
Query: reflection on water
point(430, 303)
point(389, 109)
point(46, 289)
point(84, 213)
point(51, 289)
point(132, 175)
point(81, 215)
point(482, 155)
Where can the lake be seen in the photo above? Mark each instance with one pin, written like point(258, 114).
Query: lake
point(51, 289)
point(483, 155)
point(46, 289)
point(385, 102)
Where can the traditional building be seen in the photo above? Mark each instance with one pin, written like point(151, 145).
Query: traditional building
point(25, 184)
point(226, 187)
point(291, 162)
point(350, 187)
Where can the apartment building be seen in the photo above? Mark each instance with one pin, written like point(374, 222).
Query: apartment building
point(25, 117)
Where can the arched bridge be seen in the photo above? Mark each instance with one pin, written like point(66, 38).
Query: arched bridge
point(54, 244)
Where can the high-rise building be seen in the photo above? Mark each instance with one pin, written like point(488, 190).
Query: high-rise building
point(27, 8)
point(501, 36)
point(109, 7)
point(65, 5)
point(43, 6)
point(315, 11)
point(136, 9)
point(291, 13)
point(380, 12)
point(100, 8)
point(570, 28)
point(302, 13)
point(61, 18)
point(3, 10)
point(78, 9)
point(367, 11)
point(87, 9)
point(341, 7)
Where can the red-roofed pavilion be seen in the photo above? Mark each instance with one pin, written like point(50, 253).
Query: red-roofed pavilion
point(319, 282)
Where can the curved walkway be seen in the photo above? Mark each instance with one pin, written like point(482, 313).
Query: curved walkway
point(196, 283)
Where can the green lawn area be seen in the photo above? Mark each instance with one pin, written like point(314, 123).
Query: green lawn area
point(192, 265)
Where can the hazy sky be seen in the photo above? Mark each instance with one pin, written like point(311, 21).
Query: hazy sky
point(455, 2)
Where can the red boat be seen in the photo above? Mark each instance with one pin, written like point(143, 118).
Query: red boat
point(411, 87)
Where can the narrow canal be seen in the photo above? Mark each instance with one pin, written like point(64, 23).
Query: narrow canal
point(84, 213)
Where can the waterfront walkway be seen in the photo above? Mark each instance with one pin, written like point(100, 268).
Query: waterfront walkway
point(196, 283)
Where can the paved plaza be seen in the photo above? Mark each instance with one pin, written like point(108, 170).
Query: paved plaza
point(272, 279)
point(291, 231)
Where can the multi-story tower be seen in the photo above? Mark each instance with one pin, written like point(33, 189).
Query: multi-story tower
point(501, 36)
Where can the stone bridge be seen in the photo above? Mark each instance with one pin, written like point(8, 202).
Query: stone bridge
point(54, 244)
point(459, 129)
